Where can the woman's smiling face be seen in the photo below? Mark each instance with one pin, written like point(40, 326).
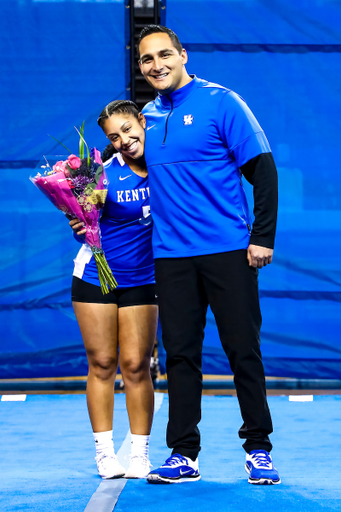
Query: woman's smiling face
point(126, 133)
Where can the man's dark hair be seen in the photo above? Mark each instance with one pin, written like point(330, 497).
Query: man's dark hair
point(118, 107)
point(156, 29)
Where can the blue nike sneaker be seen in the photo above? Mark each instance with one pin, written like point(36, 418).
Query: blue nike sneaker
point(175, 470)
point(260, 468)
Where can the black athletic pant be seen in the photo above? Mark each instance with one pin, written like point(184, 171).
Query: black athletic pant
point(185, 287)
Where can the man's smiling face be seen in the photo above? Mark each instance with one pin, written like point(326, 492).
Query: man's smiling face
point(161, 64)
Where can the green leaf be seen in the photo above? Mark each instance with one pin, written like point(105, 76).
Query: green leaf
point(59, 142)
point(71, 171)
point(90, 188)
point(87, 149)
point(99, 173)
point(81, 143)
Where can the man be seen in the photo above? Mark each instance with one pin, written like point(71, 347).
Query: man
point(200, 139)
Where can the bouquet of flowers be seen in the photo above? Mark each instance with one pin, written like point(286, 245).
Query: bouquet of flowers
point(78, 187)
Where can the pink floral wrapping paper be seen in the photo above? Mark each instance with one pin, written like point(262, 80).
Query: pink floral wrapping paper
point(78, 187)
point(57, 188)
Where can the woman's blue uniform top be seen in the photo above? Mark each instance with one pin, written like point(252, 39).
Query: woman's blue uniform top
point(126, 229)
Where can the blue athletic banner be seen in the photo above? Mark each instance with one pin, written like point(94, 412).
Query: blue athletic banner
point(257, 22)
point(283, 58)
point(63, 61)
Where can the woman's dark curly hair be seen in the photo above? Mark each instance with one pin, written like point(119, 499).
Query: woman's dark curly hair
point(108, 152)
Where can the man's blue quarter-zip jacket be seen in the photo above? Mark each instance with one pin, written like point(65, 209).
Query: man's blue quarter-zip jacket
point(197, 140)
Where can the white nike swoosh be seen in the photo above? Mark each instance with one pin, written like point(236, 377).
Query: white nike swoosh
point(149, 127)
point(124, 178)
point(185, 472)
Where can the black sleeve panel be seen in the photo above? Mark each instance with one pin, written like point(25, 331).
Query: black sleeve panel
point(261, 172)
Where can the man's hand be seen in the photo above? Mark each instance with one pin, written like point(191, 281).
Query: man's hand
point(259, 257)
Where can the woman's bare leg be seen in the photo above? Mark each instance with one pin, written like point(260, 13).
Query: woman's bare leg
point(137, 331)
point(98, 325)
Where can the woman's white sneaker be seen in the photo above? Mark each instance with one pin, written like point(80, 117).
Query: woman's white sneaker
point(108, 465)
point(139, 467)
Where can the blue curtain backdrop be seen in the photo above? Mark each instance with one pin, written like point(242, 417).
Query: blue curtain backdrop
point(62, 61)
point(284, 59)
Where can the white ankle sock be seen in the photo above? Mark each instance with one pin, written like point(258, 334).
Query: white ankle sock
point(139, 445)
point(104, 441)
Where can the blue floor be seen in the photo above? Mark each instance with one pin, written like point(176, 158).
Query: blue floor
point(47, 461)
point(306, 440)
point(47, 458)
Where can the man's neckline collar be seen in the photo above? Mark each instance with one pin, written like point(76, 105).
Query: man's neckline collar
point(180, 95)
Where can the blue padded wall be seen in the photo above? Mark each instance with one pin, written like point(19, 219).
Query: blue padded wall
point(61, 63)
point(284, 59)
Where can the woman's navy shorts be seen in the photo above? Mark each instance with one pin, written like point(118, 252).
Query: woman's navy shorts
point(81, 291)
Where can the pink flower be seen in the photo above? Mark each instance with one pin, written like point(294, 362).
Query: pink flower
point(74, 162)
point(59, 166)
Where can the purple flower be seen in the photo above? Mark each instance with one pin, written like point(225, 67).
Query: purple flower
point(80, 182)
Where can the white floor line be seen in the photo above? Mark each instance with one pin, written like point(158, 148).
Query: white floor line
point(106, 496)
point(13, 398)
point(108, 491)
point(301, 398)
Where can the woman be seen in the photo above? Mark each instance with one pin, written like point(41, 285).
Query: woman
point(126, 318)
